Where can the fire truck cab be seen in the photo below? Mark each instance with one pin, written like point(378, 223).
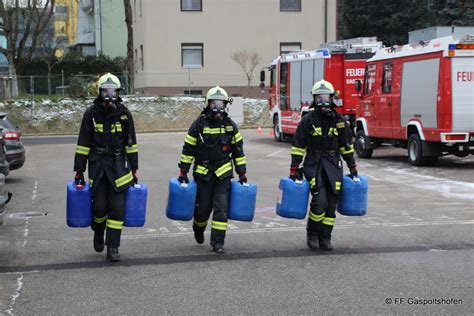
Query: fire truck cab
point(419, 97)
point(292, 75)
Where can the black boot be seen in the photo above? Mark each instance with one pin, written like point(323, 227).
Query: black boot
point(99, 241)
point(218, 248)
point(113, 254)
point(312, 241)
point(217, 240)
point(325, 238)
point(199, 236)
point(325, 244)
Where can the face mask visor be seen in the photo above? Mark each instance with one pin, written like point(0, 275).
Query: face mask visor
point(217, 106)
point(108, 94)
point(323, 100)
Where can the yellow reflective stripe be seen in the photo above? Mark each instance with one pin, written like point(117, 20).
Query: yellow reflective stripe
point(100, 220)
point(316, 217)
point(312, 182)
point(240, 161)
point(115, 128)
point(345, 151)
point(124, 179)
point(99, 127)
point(114, 224)
point(338, 185)
point(216, 130)
point(333, 131)
point(187, 159)
point(340, 125)
point(317, 131)
point(223, 169)
point(219, 225)
point(190, 140)
point(82, 150)
point(229, 128)
point(237, 138)
point(329, 221)
point(297, 151)
point(200, 224)
point(132, 149)
point(91, 181)
point(201, 170)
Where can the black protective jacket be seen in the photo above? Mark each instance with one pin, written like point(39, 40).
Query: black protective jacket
point(322, 140)
point(213, 146)
point(107, 140)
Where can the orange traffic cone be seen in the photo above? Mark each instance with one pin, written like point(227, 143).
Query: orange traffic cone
point(259, 130)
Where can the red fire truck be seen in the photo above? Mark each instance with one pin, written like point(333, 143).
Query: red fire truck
point(420, 97)
point(292, 76)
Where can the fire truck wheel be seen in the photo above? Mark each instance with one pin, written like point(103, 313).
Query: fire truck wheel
point(415, 152)
point(276, 130)
point(361, 145)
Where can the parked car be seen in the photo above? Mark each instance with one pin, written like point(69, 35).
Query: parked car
point(15, 152)
point(4, 198)
point(4, 165)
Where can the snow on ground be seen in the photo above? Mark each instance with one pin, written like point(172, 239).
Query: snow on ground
point(151, 113)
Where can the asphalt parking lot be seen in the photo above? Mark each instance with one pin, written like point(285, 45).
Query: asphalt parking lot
point(415, 245)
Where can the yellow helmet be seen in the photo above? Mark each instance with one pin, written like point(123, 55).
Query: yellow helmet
point(217, 93)
point(108, 81)
point(322, 87)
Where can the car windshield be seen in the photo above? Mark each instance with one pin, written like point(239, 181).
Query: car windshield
point(4, 123)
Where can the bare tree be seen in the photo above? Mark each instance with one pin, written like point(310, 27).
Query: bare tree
point(130, 61)
point(23, 22)
point(248, 61)
point(50, 45)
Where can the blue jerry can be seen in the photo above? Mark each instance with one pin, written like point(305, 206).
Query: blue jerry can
point(293, 198)
point(135, 205)
point(354, 196)
point(79, 205)
point(243, 198)
point(181, 200)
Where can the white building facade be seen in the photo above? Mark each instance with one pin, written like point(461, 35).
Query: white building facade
point(186, 46)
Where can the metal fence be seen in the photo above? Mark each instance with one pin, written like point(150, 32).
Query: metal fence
point(81, 85)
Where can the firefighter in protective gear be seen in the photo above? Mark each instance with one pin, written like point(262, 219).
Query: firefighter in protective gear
point(214, 143)
point(107, 140)
point(322, 138)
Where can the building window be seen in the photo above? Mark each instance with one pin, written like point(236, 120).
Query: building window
point(134, 10)
point(387, 78)
point(369, 80)
point(192, 55)
point(191, 5)
point(60, 9)
point(290, 5)
point(141, 57)
point(193, 92)
point(286, 48)
point(135, 61)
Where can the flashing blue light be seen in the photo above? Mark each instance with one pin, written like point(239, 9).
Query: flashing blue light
point(452, 46)
point(324, 51)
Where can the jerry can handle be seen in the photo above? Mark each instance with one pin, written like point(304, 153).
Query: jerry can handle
point(245, 184)
point(298, 182)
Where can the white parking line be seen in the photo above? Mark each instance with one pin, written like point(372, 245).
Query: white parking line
point(15, 294)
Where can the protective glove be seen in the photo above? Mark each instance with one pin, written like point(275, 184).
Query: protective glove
point(183, 176)
point(353, 171)
point(79, 178)
point(134, 174)
point(295, 174)
point(242, 178)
